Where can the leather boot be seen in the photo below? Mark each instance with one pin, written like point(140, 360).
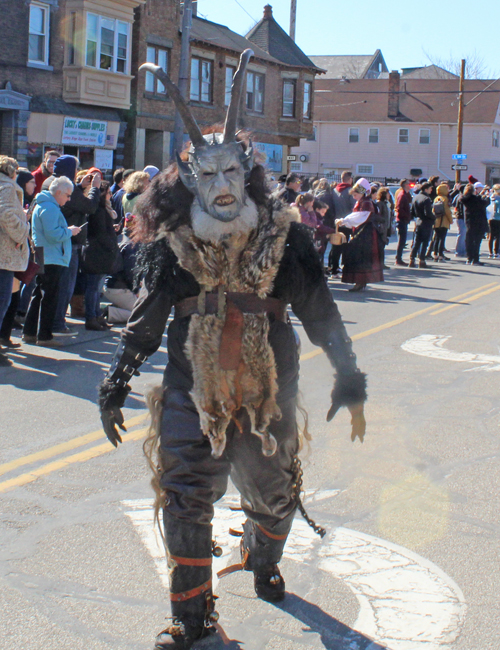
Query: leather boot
point(261, 551)
point(190, 571)
point(77, 307)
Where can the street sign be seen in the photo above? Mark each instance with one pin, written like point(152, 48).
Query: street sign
point(292, 158)
point(459, 156)
point(459, 168)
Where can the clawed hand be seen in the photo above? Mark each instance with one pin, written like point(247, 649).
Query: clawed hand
point(358, 421)
point(110, 418)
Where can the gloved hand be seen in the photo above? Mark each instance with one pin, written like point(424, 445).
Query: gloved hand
point(111, 399)
point(350, 391)
point(110, 418)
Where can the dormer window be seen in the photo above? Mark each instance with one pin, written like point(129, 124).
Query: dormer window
point(108, 44)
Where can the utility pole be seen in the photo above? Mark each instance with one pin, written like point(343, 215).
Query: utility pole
point(293, 15)
point(460, 125)
point(187, 20)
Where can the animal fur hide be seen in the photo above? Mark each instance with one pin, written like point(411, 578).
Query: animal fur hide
point(246, 263)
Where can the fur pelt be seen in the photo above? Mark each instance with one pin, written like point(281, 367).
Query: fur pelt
point(218, 394)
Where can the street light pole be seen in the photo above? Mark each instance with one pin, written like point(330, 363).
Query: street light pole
point(460, 125)
point(187, 19)
point(293, 15)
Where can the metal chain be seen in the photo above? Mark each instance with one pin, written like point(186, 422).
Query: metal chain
point(297, 489)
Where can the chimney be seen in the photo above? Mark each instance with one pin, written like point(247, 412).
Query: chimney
point(268, 12)
point(393, 102)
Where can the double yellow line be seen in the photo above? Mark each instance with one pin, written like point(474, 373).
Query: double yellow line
point(99, 450)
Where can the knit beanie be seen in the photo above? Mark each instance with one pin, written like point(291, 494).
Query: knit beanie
point(472, 179)
point(152, 171)
point(23, 178)
point(65, 166)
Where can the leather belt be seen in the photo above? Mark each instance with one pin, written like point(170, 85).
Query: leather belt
point(248, 303)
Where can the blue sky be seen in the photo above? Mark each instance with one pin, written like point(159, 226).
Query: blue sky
point(445, 30)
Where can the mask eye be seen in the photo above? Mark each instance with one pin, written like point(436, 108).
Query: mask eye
point(230, 169)
point(208, 174)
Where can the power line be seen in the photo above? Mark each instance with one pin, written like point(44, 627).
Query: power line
point(242, 7)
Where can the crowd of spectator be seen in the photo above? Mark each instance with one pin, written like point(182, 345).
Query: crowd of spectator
point(64, 242)
point(64, 237)
point(359, 217)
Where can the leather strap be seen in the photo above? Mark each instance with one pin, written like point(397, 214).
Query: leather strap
point(192, 561)
point(248, 303)
point(187, 595)
point(278, 538)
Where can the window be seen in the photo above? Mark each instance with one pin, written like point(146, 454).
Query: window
point(373, 136)
point(404, 136)
point(72, 38)
point(288, 109)
point(39, 34)
point(306, 109)
point(364, 169)
point(201, 80)
point(159, 57)
point(424, 136)
point(353, 135)
point(230, 72)
point(495, 142)
point(295, 166)
point(108, 44)
point(255, 92)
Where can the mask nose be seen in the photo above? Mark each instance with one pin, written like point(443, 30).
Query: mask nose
point(221, 184)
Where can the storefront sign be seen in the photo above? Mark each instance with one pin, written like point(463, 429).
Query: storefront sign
point(103, 158)
point(80, 131)
point(274, 155)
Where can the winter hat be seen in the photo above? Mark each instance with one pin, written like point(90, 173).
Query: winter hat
point(94, 170)
point(65, 166)
point(23, 178)
point(362, 186)
point(152, 171)
point(478, 186)
point(472, 179)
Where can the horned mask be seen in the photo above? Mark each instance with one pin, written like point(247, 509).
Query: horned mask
point(218, 165)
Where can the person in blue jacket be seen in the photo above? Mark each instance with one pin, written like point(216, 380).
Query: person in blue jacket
point(51, 232)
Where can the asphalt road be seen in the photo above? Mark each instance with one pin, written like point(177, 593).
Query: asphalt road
point(410, 560)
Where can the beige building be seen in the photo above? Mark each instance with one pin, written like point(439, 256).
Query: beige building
point(402, 127)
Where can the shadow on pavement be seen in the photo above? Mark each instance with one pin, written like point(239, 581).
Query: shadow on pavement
point(334, 634)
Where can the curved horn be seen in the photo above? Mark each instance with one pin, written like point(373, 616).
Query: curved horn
point(180, 103)
point(236, 90)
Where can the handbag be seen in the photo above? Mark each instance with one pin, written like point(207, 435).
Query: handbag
point(35, 264)
point(337, 238)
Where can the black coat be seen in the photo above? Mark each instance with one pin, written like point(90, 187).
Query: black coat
point(101, 251)
point(421, 209)
point(475, 211)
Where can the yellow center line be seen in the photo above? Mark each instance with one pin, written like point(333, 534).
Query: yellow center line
point(80, 457)
point(106, 447)
point(466, 302)
point(64, 446)
point(393, 323)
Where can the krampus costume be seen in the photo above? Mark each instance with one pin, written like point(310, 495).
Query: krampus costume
point(229, 261)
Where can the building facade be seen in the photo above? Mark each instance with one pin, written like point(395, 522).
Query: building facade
point(65, 79)
point(278, 106)
point(395, 128)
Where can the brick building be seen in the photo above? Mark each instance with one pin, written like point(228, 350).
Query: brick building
point(69, 81)
point(65, 78)
point(279, 89)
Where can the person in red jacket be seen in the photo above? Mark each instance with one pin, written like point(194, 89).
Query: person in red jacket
point(403, 218)
point(45, 170)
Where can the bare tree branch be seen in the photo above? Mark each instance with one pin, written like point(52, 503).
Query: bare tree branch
point(475, 65)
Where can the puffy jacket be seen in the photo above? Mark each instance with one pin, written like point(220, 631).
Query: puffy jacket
point(14, 229)
point(343, 202)
point(475, 211)
point(51, 231)
point(78, 208)
point(446, 219)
